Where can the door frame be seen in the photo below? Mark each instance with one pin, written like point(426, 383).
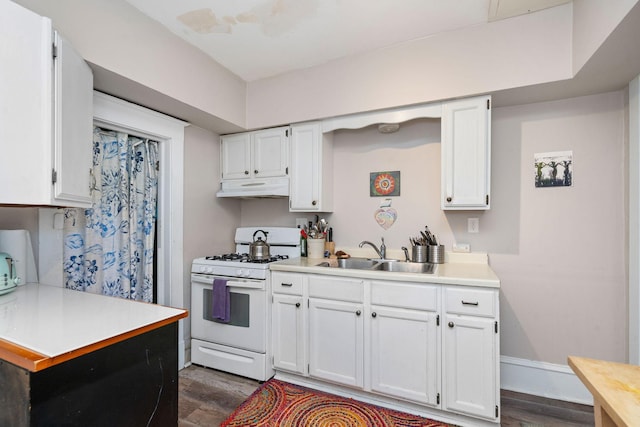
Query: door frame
point(117, 114)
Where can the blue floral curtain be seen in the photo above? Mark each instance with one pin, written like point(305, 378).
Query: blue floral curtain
point(109, 248)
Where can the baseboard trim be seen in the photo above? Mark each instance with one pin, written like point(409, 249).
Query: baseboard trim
point(542, 379)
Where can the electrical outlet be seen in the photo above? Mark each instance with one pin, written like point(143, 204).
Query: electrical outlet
point(461, 247)
point(301, 222)
point(473, 225)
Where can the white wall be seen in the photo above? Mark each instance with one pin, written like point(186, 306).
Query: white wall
point(559, 252)
point(521, 51)
point(563, 275)
point(594, 20)
point(209, 223)
point(21, 218)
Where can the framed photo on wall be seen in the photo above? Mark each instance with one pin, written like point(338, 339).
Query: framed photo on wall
point(553, 169)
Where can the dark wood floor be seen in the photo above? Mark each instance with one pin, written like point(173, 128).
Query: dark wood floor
point(207, 397)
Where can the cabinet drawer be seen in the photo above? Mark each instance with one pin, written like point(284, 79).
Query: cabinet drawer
point(405, 295)
point(475, 302)
point(287, 283)
point(336, 288)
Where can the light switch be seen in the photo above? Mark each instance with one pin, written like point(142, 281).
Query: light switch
point(473, 225)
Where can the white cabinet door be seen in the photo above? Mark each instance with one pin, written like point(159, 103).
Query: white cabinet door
point(270, 152)
point(73, 147)
point(311, 172)
point(336, 341)
point(236, 156)
point(26, 107)
point(404, 354)
point(288, 333)
point(466, 154)
point(469, 366)
point(45, 113)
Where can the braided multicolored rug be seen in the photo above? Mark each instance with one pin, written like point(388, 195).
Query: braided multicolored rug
point(280, 404)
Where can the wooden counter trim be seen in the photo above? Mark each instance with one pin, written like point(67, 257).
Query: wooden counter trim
point(34, 362)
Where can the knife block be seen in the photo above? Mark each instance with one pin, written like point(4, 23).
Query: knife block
point(330, 247)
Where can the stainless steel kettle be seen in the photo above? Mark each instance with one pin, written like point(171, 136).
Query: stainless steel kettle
point(259, 249)
point(8, 279)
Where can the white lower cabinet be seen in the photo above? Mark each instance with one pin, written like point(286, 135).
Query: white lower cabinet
point(404, 354)
point(436, 346)
point(336, 329)
point(405, 341)
point(288, 333)
point(336, 341)
point(288, 329)
point(469, 366)
point(471, 352)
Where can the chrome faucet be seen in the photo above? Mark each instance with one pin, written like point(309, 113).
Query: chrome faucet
point(382, 252)
point(406, 253)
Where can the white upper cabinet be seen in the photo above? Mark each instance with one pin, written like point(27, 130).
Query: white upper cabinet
point(236, 156)
point(255, 164)
point(466, 154)
point(311, 185)
point(259, 154)
point(270, 152)
point(74, 127)
point(46, 113)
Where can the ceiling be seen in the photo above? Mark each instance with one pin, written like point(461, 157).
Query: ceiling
point(256, 39)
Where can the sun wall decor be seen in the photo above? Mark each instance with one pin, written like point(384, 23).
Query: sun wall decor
point(384, 184)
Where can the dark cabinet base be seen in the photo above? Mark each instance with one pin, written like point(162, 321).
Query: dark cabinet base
point(130, 383)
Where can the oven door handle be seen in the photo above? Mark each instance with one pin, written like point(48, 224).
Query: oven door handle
point(242, 284)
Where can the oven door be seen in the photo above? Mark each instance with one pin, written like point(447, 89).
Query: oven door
point(247, 328)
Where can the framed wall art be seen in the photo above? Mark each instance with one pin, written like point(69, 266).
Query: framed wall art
point(553, 169)
point(384, 184)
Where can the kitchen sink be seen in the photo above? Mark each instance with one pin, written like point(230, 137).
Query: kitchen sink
point(380, 265)
point(406, 267)
point(352, 263)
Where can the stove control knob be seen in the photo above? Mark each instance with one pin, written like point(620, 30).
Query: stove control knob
point(242, 273)
point(202, 269)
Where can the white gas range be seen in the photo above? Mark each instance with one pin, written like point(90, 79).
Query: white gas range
point(240, 345)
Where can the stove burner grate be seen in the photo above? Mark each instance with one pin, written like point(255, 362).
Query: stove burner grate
point(245, 258)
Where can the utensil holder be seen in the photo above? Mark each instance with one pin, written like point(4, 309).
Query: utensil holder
point(419, 254)
point(315, 248)
point(436, 254)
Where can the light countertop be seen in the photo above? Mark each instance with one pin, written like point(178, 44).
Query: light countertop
point(42, 325)
point(615, 388)
point(457, 272)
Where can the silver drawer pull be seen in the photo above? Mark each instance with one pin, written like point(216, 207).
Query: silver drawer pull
point(286, 284)
point(469, 303)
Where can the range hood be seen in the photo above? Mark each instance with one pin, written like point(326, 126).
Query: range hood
point(269, 187)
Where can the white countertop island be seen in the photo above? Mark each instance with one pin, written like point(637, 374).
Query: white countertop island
point(42, 325)
point(70, 358)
